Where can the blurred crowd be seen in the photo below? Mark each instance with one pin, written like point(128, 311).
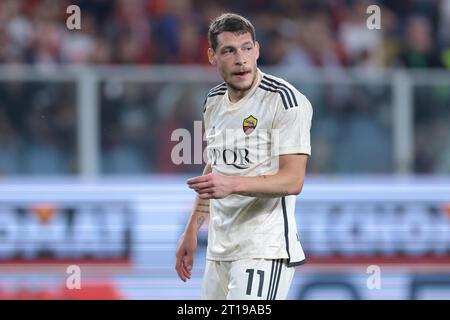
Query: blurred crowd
point(353, 127)
point(414, 33)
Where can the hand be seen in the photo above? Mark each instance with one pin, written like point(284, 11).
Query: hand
point(212, 186)
point(185, 256)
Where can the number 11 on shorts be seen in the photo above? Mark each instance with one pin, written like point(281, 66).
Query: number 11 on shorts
point(251, 273)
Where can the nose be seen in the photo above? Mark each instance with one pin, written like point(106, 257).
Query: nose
point(240, 58)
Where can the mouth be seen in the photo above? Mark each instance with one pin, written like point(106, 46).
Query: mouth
point(241, 73)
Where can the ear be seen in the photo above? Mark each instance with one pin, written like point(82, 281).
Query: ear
point(257, 49)
point(212, 57)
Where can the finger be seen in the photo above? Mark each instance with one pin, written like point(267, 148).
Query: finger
point(187, 274)
point(189, 263)
point(200, 185)
point(185, 271)
point(205, 196)
point(180, 265)
point(181, 275)
point(197, 179)
point(178, 268)
point(207, 190)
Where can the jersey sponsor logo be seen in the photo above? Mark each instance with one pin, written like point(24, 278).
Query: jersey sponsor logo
point(231, 147)
point(237, 157)
point(249, 124)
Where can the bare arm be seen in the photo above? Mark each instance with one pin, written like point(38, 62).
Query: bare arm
point(200, 210)
point(188, 240)
point(287, 181)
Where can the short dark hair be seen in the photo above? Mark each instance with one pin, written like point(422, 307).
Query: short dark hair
point(230, 22)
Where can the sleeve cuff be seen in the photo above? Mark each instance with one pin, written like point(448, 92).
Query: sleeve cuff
point(297, 149)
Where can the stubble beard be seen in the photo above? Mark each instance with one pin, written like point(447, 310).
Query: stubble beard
point(240, 89)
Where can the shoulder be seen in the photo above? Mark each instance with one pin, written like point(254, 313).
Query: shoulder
point(218, 90)
point(289, 96)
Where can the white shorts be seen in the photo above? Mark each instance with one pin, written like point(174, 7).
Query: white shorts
point(253, 279)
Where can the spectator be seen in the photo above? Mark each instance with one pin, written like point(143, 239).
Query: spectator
point(419, 51)
point(10, 147)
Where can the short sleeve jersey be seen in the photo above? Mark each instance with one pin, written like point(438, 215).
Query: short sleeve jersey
point(245, 139)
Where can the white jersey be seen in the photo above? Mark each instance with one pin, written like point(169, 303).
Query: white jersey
point(245, 139)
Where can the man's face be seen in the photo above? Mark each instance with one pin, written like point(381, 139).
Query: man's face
point(235, 57)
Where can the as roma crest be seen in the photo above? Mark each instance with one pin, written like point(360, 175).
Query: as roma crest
point(249, 124)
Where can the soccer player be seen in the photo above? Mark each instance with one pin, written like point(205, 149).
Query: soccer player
point(248, 193)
